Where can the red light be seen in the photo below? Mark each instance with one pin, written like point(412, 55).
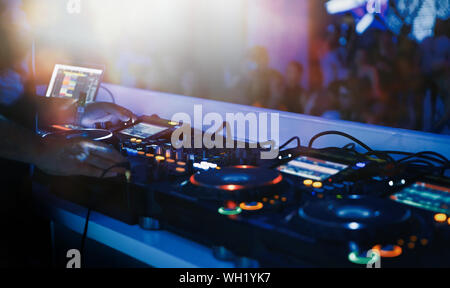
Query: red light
point(277, 179)
point(231, 187)
point(230, 204)
point(245, 166)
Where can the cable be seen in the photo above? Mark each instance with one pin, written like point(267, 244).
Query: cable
point(422, 155)
point(86, 223)
point(332, 132)
point(83, 238)
point(109, 92)
point(289, 141)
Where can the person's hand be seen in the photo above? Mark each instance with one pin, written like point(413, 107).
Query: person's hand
point(78, 157)
point(102, 112)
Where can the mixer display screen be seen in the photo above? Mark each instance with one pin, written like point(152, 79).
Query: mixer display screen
point(143, 130)
point(426, 196)
point(312, 168)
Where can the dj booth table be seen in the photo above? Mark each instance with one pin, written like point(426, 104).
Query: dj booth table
point(165, 249)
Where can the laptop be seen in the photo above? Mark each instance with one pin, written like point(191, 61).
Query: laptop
point(80, 84)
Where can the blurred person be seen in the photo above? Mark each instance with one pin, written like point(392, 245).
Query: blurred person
point(277, 92)
point(344, 105)
point(19, 145)
point(333, 61)
point(294, 96)
point(435, 65)
point(364, 70)
point(251, 87)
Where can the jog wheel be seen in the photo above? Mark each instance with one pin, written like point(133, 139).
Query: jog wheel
point(237, 183)
point(356, 218)
point(91, 134)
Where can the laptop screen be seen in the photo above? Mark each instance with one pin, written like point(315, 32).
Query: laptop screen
point(70, 81)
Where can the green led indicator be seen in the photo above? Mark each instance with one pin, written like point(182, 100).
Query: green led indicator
point(355, 258)
point(226, 211)
point(339, 196)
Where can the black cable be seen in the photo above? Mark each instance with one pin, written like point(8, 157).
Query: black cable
point(86, 223)
point(83, 238)
point(289, 141)
point(109, 92)
point(423, 154)
point(332, 132)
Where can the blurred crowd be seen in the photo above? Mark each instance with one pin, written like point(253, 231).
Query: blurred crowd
point(377, 78)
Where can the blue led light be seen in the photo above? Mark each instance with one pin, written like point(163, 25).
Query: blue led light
point(360, 164)
point(354, 225)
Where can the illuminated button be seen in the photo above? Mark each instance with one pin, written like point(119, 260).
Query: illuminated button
point(173, 123)
point(389, 251)
point(424, 242)
point(133, 140)
point(138, 141)
point(284, 199)
point(411, 245)
point(360, 165)
point(272, 202)
point(320, 195)
point(440, 217)
point(317, 184)
point(160, 158)
point(181, 163)
point(230, 211)
point(231, 187)
point(276, 196)
point(180, 169)
point(141, 153)
point(168, 153)
point(448, 221)
point(355, 258)
point(252, 206)
point(413, 238)
point(307, 182)
point(170, 161)
point(400, 242)
point(149, 155)
point(265, 199)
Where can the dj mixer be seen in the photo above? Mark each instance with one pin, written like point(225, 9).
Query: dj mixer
point(332, 207)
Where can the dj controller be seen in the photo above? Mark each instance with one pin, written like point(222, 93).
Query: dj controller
point(332, 207)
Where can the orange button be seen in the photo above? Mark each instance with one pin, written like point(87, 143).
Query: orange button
point(181, 163)
point(149, 155)
point(307, 182)
point(257, 206)
point(440, 217)
point(180, 169)
point(141, 152)
point(138, 140)
point(160, 158)
point(317, 184)
point(133, 140)
point(396, 251)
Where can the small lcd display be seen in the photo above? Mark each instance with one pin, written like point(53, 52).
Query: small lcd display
point(143, 130)
point(312, 168)
point(426, 196)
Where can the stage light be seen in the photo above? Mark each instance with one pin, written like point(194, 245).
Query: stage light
point(339, 6)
